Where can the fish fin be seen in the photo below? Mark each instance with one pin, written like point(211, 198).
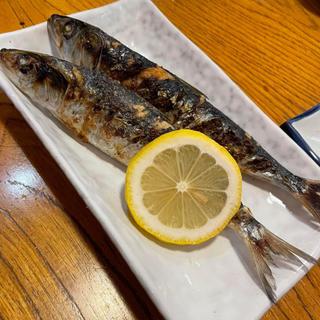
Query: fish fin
point(267, 249)
point(311, 197)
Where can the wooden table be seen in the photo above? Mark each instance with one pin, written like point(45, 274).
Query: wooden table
point(55, 260)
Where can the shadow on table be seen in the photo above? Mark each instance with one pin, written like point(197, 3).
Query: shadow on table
point(122, 277)
point(312, 6)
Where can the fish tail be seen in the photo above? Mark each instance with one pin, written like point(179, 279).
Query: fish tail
point(310, 197)
point(267, 249)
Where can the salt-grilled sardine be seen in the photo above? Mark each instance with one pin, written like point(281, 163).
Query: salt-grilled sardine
point(96, 108)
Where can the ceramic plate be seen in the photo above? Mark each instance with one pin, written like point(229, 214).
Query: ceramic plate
point(211, 281)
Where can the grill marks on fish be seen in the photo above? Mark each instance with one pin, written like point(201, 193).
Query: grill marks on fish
point(119, 61)
point(154, 73)
point(99, 109)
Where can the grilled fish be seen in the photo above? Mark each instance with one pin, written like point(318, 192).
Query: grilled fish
point(97, 109)
point(184, 106)
point(118, 122)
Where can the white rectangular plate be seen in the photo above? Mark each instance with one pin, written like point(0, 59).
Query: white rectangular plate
point(212, 281)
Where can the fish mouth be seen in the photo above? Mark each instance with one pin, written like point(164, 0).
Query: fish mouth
point(54, 26)
point(8, 57)
point(3, 52)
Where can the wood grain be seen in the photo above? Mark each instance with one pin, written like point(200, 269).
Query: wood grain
point(55, 260)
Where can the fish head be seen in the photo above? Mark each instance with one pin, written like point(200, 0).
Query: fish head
point(43, 78)
point(20, 67)
point(63, 32)
point(75, 41)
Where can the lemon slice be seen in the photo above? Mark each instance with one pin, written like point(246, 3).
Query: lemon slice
point(183, 187)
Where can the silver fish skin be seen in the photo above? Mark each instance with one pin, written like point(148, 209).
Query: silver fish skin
point(184, 106)
point(118, 122)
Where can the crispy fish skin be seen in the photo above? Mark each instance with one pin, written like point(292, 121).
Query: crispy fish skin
point(184, 106)
point(96, 108)
point(119, 123)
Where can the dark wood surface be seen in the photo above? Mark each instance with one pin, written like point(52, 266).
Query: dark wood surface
point(55, 260)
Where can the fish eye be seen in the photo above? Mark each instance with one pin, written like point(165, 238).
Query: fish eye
point(23, 61)
point(25, 64)
point(68, 29)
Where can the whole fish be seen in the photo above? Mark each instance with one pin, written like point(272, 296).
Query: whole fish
point(119, 122)
point(184, 106)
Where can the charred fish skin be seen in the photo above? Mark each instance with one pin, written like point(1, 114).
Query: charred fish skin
point(116, 114)
point(184, 106)
point(96, 108)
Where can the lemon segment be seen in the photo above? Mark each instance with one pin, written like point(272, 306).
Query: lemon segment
point(183, 187)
